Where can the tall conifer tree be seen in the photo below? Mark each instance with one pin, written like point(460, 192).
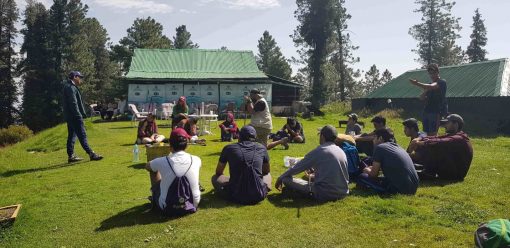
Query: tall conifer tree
point(8, 90)
point(475, 50)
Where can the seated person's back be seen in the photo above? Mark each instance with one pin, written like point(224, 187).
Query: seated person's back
point(181, 163)
point(240, 156)
point(397, 166)
point(330, 166)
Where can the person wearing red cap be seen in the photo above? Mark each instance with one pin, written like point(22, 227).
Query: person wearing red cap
point(163, 170)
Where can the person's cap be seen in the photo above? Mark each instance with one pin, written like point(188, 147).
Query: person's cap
point(411, 122)
point(354, 116)
point(247, 133)
point(329, 132)
point(453, 118)
point(255, 91)
point(74, 74)
point(177, 133)
point(378, 119)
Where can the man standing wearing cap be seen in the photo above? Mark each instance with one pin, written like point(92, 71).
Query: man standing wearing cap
point(330, 166)
point(163, 170)
point(245, 157)
point(261, 120)
point(434, 95)
point(448, 156)
point(74, 113)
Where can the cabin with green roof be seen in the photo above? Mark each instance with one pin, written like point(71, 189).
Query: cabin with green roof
point(479, 92)
point(211, 76)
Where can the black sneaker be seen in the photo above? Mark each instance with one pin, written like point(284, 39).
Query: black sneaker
point(95, 157)
point(74, 158)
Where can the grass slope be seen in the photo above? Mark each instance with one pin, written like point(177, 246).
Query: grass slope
point(103, 204)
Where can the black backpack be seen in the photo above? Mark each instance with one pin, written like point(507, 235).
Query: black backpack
point(179, 199)
point(250, 189)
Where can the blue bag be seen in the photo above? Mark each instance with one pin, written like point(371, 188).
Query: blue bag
point(353, 160)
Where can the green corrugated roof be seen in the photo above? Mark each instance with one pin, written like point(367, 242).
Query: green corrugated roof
point(482, 79)
point(188, 64)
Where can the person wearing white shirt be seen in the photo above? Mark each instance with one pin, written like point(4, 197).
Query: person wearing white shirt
point(183, 164)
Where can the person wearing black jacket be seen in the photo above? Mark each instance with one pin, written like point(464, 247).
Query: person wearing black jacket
point(74, 113)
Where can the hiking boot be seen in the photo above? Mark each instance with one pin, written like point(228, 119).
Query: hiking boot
point(74, 158)
point(95, 157)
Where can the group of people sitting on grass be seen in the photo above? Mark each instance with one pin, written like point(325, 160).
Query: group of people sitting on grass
point(328, 168)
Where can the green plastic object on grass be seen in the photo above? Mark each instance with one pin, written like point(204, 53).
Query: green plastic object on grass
point(493, 234)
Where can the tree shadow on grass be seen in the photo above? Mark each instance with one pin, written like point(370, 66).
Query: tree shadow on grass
point(32, 170)
point(138, 215)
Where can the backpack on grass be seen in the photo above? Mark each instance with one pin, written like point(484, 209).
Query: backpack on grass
point(493, 234)
point(179, 199)
point(353, 160)
point(250, 190)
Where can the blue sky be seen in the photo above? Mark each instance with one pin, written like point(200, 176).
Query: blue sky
point(380, 28)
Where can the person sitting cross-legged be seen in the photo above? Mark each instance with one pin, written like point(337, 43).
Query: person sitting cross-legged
point(148, 131)
point(412, 130)
point(353, 127)
point(364, 142)
point(294, 130)
point(179, 164)
point(229, 129)
point(248, 162)
point(400, 176)
point(329, 164)
point(448, 156)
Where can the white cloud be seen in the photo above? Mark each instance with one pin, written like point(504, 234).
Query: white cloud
point(186, 11)
point(21, 4)
point(243, 4)
point(141, 6)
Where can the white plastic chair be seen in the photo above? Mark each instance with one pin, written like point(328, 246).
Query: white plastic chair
point(93, 112)
point(137, 116)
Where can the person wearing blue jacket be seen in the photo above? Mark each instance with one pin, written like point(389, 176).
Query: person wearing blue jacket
point(74, 113)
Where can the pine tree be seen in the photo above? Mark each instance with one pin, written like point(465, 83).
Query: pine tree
point(8, 91)
point(386, 77)
point(316, 27)
point(182, 38)
point(144, 33)
point(99, 86)
point(475, 50)
point(58, 36)
point(437, 34)
point(40, 108)
point(372, 80)
point(270, 59)
point(343, 51)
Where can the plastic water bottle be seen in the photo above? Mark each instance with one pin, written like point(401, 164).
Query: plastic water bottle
point(136, 153)
point(286, 161)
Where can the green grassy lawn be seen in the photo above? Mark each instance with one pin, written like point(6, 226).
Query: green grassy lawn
point(104, 204)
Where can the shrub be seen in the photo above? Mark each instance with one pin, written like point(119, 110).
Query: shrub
point(391, 113)
point(14, 134)
point(337, 108)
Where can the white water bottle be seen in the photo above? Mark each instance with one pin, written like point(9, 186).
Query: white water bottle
point(136, 153)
